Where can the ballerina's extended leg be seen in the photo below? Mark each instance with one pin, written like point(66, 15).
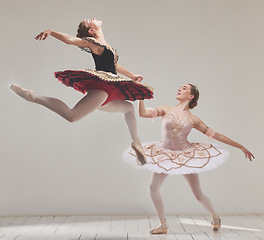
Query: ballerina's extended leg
point(130, 118)
point(28, 95)
point(91, 101)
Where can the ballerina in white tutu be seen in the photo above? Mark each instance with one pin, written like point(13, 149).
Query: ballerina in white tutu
point(174, 155)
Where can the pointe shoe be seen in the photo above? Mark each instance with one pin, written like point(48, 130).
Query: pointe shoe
point(217, 226)
point(28, 95)
point(161, 229)
point(140, 154)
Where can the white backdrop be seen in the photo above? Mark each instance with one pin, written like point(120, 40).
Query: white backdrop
point(50, 166)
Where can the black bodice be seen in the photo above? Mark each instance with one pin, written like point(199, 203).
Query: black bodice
point(105, 61)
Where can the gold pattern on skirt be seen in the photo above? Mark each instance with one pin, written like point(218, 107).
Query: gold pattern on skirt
point(168, 159)
point(110, 77)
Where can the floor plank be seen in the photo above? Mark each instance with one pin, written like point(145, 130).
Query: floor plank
point(135, 236)
point(41, 224)
point(14, 225)
point(28, 225)
point(184, 236)
point(92, 225)
point(174, 225)
point(5, 223)
point(104, 225)
point(143, 224)
point(49, 231)
point(189, 225)
point(88, 236)
point(118, 224)
point(131, 224)
point(202, 223)
point(80, 224)
point(200, 236)
point(107, 235)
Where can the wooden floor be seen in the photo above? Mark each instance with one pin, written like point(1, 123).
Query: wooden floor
point(249, 227)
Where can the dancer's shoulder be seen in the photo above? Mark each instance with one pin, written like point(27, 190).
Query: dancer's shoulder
point(93, 41)
point(163, 110)
point(90, 44)
point(199, 124)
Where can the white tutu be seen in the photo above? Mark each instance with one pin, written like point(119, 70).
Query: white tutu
point(198, 158)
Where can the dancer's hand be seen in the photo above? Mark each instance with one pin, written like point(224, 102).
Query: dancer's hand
point(137, 78)
point(43, 35)
point(247, 153)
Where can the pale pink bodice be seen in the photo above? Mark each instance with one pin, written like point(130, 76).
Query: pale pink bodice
point(175, 131)
point(174, 155)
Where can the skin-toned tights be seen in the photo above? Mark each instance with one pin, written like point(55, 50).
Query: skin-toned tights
point(194, 183)
point(92, 101)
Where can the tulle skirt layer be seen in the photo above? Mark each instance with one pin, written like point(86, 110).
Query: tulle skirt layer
point(198, 158)
point(116, 87)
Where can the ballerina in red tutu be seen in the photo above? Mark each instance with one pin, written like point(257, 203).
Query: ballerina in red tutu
point(104, 89)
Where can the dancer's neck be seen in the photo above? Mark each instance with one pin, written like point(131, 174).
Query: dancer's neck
point(99, 36)
point(183, 106)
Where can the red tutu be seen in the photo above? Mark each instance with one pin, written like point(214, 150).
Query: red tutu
point(116, 87)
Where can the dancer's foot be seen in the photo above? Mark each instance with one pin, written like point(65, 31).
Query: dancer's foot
point(216, 223)
point(217, 226)
point(140, 154)
point(161, 229)
point(28, 95)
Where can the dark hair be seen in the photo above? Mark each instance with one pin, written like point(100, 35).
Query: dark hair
point(195, 92)
point(83, 31)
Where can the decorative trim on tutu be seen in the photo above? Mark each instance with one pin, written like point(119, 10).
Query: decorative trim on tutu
point(116, 86)
point(198, 158)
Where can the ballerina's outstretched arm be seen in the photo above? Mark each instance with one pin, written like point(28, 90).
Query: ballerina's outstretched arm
point(68, 39)
point(202, 127)
point(152, 112)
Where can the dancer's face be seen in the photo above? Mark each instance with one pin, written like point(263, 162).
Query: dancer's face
point(184, 93)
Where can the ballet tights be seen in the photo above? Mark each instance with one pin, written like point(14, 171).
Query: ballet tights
point(129, 113)
point(90, 102)
point(156, 182)
point(194, 183)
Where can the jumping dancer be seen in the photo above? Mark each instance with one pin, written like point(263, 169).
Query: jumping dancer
point(104, 89)
point(174, 155)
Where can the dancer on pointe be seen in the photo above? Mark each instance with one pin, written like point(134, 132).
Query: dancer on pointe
point(104, 89)
point(174, 155)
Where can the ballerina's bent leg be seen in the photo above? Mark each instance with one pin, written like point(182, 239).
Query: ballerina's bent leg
point(129, 114)
point(130, 118)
